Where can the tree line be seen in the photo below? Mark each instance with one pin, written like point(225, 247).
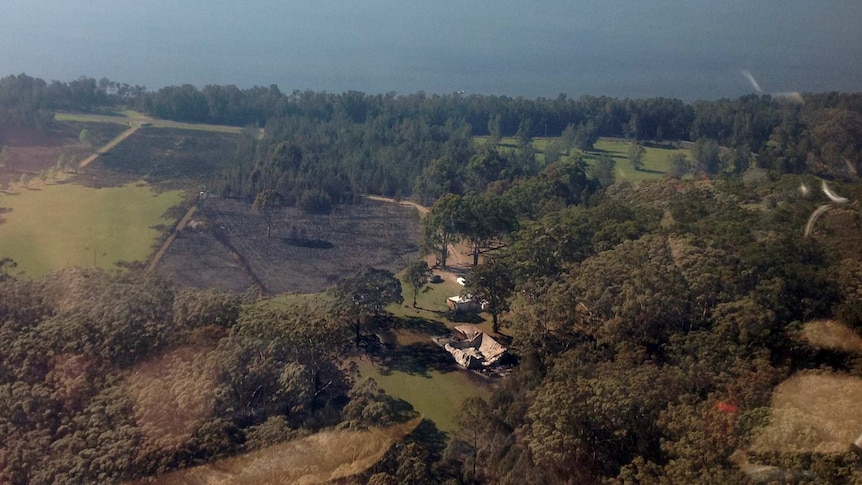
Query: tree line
point(324, 148)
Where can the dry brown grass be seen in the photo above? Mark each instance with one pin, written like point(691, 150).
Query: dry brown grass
point(320, 458)
point(830, 334)
point(813, 412)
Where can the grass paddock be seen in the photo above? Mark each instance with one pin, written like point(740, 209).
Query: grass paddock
point(52, 226)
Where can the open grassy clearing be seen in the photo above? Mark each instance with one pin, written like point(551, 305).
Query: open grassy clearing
point(61, 225)
point(830, 334)
point(320, 458)
point(655, 160)
point(431, 304)
point(434, 394)
point(133, 117)
point(813, 411)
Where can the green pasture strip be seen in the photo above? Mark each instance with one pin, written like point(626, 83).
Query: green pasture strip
point(435, 395)
point(93, 118)
point(655, 159)
point(196, 126)
point(138, 119)
point(57, 226)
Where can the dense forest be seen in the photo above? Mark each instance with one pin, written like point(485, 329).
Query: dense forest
point(651, 321)
point(323, 148)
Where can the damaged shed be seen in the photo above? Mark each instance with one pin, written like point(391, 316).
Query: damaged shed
point(473, 348)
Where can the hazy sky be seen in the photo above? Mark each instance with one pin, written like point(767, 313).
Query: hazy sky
point(677, 48)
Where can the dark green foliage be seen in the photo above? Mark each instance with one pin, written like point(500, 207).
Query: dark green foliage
point(417, 277)
point(558, 185)
point(199, 308)
point(483, 217)
point(636, 155)
point(361, 298)
point(440, 227)
point(651, 339)
point(370, 406)
point(604, 170)
point(492, 283)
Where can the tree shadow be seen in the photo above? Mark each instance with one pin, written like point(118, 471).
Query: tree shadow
point(649, 170)
point(307, 243)
point(415, 359)
point(431, 438)
point(419, 324)
point(402, 411)
point(464, 317)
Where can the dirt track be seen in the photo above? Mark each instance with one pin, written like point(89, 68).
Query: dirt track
point(111, 144)
point(167, 244)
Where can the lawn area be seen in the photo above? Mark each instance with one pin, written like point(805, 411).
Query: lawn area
point(51, 226)
point(435, 395)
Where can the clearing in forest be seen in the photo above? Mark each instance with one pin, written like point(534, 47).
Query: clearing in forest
point(815, 412)
point(324, 457)
point(830, 334)
point(655, 162)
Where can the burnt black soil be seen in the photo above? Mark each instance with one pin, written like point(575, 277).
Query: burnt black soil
point(227, 247)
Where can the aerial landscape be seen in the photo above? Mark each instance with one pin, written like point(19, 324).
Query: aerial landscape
point(403, 244)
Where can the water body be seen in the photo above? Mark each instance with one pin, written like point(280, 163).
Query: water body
point(674, 48)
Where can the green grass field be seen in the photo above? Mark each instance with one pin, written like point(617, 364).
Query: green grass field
point(132, 117)
point(435, 395)
point(55, 226)
point(655, 159)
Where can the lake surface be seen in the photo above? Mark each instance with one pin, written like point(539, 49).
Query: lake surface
point(674, 48)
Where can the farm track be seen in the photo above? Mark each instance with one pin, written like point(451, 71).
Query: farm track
point(136, 124)
point(111, 144)
point(170, 240)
